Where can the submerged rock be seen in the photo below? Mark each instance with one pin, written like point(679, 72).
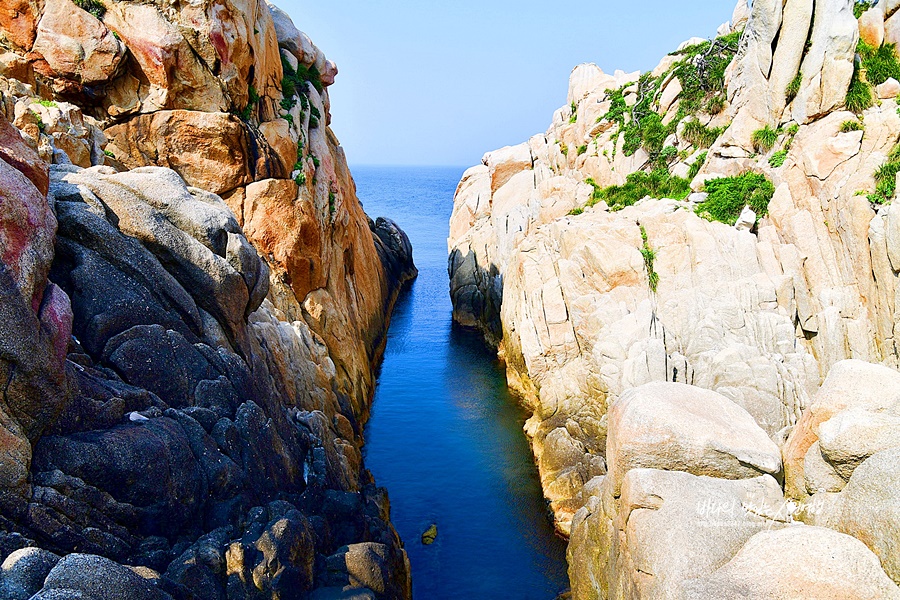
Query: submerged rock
point(430, 535)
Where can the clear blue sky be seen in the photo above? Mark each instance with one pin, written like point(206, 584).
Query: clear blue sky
point(440, 83)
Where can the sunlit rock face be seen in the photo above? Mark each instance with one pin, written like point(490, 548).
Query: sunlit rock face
point(590, 301)
point(194, 303)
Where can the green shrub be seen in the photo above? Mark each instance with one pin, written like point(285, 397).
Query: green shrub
point(699, 135)
point(94, 7)
point(253, 95)
point(793, 87)
point(848, 126)
point(109, 153)
point(880, 63)
point(702, 71)
point(332, 200)
point(697, 165)
point(657, 184)
point(582, 149)
point(777, 159)
point(729, 195)
point(576, 211)
point(300, 179)
point(886, 178)
point(315, 160)
point(764, 139)
point(47, 103)
point(564, 149)
point(649, 258)
point(859, 94)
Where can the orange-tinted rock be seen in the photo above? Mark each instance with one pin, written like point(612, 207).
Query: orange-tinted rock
point(212, 151)
point(278, 135)
point(76, 45)
point(18, 154)
point(174, 76)
point(18, 21)
point(283, 226)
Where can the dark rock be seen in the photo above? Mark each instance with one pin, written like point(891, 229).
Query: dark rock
point(368, 565)
point(160, 361)
point(395, 251)
point(149, 466)
point(98, 578)
point(23, 572)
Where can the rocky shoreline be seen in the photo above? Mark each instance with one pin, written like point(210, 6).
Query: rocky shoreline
point(194, 303)
point(653, 339)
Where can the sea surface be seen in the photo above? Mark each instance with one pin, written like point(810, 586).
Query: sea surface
point(445, 437)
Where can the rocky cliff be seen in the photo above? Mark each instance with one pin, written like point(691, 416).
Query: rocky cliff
point(676, 274)
point(193, 305)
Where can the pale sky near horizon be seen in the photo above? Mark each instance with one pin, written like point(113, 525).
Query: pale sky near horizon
point(428, 83)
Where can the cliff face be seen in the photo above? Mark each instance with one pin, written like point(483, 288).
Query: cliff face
point(593, 296)
point(194, 302)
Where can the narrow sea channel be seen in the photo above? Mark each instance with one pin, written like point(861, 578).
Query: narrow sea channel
point(445, 437)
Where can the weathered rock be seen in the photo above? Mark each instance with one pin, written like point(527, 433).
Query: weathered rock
point(76, 45)
point(871, 26)
point(868, 508)
point(212, 151)
point(708, 520)
point(677, 427)
point(888, 89)
point(99, 578)
point(812, 562)
point(23, 572)
point(850, 384)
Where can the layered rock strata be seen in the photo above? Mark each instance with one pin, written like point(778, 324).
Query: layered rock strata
point(592, 304)
point(194, 303)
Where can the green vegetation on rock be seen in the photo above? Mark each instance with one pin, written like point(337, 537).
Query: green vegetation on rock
point(639, 185)
point(697, 165)
point(777, 159)
point(886, 178)
point(94, 7)
point(764, 139)
point(699, 135)
point(880, 64)
point(649, 258)
point(793, 87)
point(729, 195)
point(853, 125)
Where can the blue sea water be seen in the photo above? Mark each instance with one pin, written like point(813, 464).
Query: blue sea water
point(445, 437)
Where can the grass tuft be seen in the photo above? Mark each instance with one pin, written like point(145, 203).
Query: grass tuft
point(793, 88)
point(764, 139)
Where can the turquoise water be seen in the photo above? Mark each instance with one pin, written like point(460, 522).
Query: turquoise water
point(445, 437)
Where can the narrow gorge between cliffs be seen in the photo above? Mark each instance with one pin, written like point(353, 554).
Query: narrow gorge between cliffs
point(445, 437)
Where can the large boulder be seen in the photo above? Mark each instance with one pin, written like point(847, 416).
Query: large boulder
point(35, 315)
point(868, 508)
point(76, 45)
point(678, 427)
point(854, 385)
point(707, 520)
point(191, 232)
point(797, 562)
point(98, 578)
point(213, 151)
point(23, 572)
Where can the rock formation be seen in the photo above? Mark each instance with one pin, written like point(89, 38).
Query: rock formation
point(670, 356)
point(193, 305)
